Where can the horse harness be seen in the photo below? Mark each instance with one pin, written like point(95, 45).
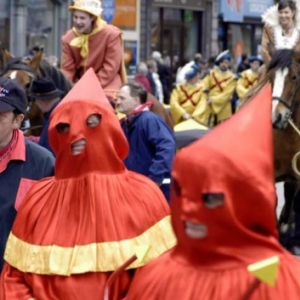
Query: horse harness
point(291, 108)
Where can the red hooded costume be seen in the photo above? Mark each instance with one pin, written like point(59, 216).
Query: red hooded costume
point(73, 229)
point(234, 162)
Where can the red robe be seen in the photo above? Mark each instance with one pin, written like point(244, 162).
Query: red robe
point(74, 229)
point(105, 56)
point(234, 162)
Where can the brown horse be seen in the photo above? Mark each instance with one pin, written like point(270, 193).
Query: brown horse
point(25, 70)
point(283, 73)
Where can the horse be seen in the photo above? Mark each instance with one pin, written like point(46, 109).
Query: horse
point(25, 70)
point(283, 73)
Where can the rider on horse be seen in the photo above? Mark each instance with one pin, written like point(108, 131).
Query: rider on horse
point(92, 43)
point(282, 31)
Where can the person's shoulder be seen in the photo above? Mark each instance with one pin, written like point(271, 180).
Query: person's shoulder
point(38, 152)
point(147, 114)
point(111, 30)
point(232, 74)
point(151, 117)
point(68, 36)
point(270, 17)
point(248, 72)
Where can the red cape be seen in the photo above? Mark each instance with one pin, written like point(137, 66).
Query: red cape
point(88, 219)
point(236, 160)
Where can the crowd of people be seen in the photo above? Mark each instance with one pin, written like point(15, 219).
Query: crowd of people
point(104, 207)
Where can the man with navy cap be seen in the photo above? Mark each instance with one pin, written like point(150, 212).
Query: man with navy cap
point(22, 162)
point(220, 86)
point(47, 97)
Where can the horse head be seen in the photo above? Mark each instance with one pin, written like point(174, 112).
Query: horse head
point(284, 75)
point(24, 69)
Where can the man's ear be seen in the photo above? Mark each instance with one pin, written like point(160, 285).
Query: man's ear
point(18, 121)
point(137, 100)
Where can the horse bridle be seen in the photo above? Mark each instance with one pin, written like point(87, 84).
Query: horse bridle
point(291, 106)
point(18, 64)
point(289, 119)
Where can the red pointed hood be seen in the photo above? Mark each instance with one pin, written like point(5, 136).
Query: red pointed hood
point(234, 161)
point(106, 145)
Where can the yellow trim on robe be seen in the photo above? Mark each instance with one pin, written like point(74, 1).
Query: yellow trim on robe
point(96, 257)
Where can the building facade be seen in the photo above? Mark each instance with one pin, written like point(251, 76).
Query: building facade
point(240, 26)
point(176, 28)
point(28, 23)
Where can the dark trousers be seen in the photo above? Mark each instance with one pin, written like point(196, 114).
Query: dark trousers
point(291, 212)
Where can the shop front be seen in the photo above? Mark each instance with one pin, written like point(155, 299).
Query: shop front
point(240, 26)
point(31, 23)
point(176, 30)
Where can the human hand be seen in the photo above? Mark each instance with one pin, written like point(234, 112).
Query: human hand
point(186, 116)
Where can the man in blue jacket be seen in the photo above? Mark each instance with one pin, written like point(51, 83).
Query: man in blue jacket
point(22, 162)
point(152, 144)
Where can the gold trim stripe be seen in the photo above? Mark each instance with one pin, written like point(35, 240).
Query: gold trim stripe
point(96, 257)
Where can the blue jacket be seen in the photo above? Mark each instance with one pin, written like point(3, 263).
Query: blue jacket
point(39, 164)
point(44, 141)
point(152, 147)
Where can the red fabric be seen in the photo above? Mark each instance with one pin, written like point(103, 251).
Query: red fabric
point(105, 57)
point(91, 199)
point(140, 108)
point(24, 186)
point(234, 159)
point(143, 80)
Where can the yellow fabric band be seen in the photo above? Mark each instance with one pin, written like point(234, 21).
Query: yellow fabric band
point(82, 40)
point(96, 257)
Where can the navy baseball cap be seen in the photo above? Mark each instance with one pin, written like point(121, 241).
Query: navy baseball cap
point(12, 95)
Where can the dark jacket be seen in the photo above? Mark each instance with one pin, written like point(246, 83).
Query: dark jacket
point(242, 67)
point(164, 76)
point(39, 164)
point(152, 147)
point(44, 141)
point(152, 84)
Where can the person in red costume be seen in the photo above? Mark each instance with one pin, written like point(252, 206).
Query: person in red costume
point(223, 214)
point(92, 43)
point(77, 227)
